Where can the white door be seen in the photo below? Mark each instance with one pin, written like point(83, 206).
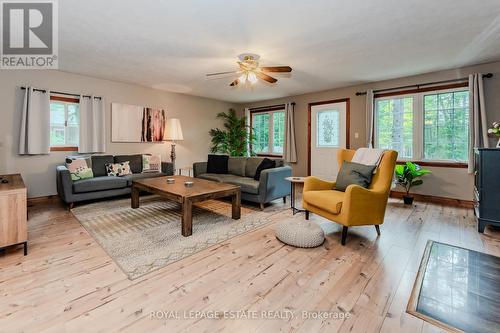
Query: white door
point(328, 134)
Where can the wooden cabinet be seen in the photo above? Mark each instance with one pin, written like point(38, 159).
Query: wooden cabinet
point(487, 187)
point(13, 212)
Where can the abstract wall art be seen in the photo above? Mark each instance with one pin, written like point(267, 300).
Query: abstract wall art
point(133, 123)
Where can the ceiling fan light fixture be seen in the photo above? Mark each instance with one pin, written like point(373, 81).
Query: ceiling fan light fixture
point(243, 78)
point(251, 77)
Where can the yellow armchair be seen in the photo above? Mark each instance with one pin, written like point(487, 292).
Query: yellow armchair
point(356, 206)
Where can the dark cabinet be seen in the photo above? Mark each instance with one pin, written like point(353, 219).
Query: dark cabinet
point(487, 187)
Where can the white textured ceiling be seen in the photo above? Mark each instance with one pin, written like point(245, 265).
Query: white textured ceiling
point(171, 45)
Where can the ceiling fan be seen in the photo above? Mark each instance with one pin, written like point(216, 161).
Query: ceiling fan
point(250, 71)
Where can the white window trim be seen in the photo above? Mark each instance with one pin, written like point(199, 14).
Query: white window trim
point(65, 123)
point(270, 151)
point(418, 123)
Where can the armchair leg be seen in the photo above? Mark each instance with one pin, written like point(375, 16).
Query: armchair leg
point(377, 227)
point(344, 235)
point(261, 206)
point(284, 200)
point(71, 205)
point(307, 215)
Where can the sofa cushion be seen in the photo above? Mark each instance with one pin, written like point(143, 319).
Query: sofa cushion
point(354, 173)
point(216, 177)
point(217, 164)
point(135, 162)
point(247, 184)
point(99, 164)
point(252, 165)
point(265, 164)
point(118, 169)
point(137, 176)
point(328, 200)
point(99, 184)
point(236, 166)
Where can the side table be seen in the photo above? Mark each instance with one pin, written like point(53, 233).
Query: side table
point(293, 184)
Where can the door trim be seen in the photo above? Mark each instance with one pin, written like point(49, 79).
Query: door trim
point(347, 124)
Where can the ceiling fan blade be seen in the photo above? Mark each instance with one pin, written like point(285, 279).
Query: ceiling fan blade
point(234, 83)
point(265, 77)
point(220, 73)
point(277, 69)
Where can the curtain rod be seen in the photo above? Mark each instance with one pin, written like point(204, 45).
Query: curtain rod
point(489, 75)
point(269, 106)
point(61, 93)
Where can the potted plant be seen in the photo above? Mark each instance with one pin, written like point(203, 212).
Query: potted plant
point(233, 140)
point(407, 176)
point(495, 131)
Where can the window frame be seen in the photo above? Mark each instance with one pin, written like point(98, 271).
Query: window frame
point(418, 122)
point(270, 112)
point(64, 100)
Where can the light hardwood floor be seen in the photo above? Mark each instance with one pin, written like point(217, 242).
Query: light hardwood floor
point(69, 284)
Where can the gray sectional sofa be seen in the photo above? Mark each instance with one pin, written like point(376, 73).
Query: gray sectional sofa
point(102, 186)
point(241, 170)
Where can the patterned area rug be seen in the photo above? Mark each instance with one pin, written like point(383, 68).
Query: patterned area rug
point(146, 239)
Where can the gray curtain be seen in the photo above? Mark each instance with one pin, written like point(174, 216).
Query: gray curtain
point(92, 125)
point(369, 118)
point(34, 138)
point(478, 127)
point(289, 149)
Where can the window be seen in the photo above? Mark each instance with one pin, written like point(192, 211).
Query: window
point(328, 128)
point(268, 132)
point(424, 126)
point(64, 123)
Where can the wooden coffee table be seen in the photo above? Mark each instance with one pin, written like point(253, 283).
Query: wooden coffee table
point(200, 191)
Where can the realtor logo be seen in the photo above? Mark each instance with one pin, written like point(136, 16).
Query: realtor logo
point(29, 34)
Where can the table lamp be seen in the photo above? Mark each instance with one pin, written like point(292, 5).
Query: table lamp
point(173, 133)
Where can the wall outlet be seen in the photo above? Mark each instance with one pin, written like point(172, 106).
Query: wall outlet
point(356, 135)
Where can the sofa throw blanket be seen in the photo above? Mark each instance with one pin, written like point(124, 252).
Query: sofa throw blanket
point(79, 168)
point(368, 156)
point(118, 169)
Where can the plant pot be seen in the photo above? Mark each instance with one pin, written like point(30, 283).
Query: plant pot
point(408, 200)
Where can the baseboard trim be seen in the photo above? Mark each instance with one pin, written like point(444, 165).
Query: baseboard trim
point(436, 199)
point(48, 199)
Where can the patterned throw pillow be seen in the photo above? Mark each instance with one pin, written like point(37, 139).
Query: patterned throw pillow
point(151, 163)
point(79, 168)
point(118, 169)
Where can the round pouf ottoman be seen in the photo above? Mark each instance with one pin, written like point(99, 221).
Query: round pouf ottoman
point(300, 233)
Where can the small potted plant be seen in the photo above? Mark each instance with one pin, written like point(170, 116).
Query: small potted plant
point(407, 176)
point(495, 131)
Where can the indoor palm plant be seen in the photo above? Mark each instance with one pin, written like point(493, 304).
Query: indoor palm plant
point(407, 176)
point(234, 138)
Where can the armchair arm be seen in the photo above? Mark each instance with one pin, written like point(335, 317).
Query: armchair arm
point(312, 183)
point(272, 183)
point(199, 168)
point(167, 168)
point(64, 184)
point(364, 206)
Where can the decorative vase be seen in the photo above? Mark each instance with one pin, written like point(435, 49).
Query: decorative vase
point(408, 200)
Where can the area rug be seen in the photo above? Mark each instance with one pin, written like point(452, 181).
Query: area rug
point(457, 289)
point(148, 238)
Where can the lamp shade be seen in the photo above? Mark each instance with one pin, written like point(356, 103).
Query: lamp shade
point(173, 130)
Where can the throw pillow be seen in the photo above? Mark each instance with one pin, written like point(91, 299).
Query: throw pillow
point(354, 173)
point(265, 164)
point(217, 164)
point(118, 169)
point(79, 168)
point(151, 163)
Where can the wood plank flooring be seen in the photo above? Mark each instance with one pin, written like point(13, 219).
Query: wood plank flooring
point(69, 284)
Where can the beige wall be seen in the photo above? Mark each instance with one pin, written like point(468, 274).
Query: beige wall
point(446, 182)
point(197, 116)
